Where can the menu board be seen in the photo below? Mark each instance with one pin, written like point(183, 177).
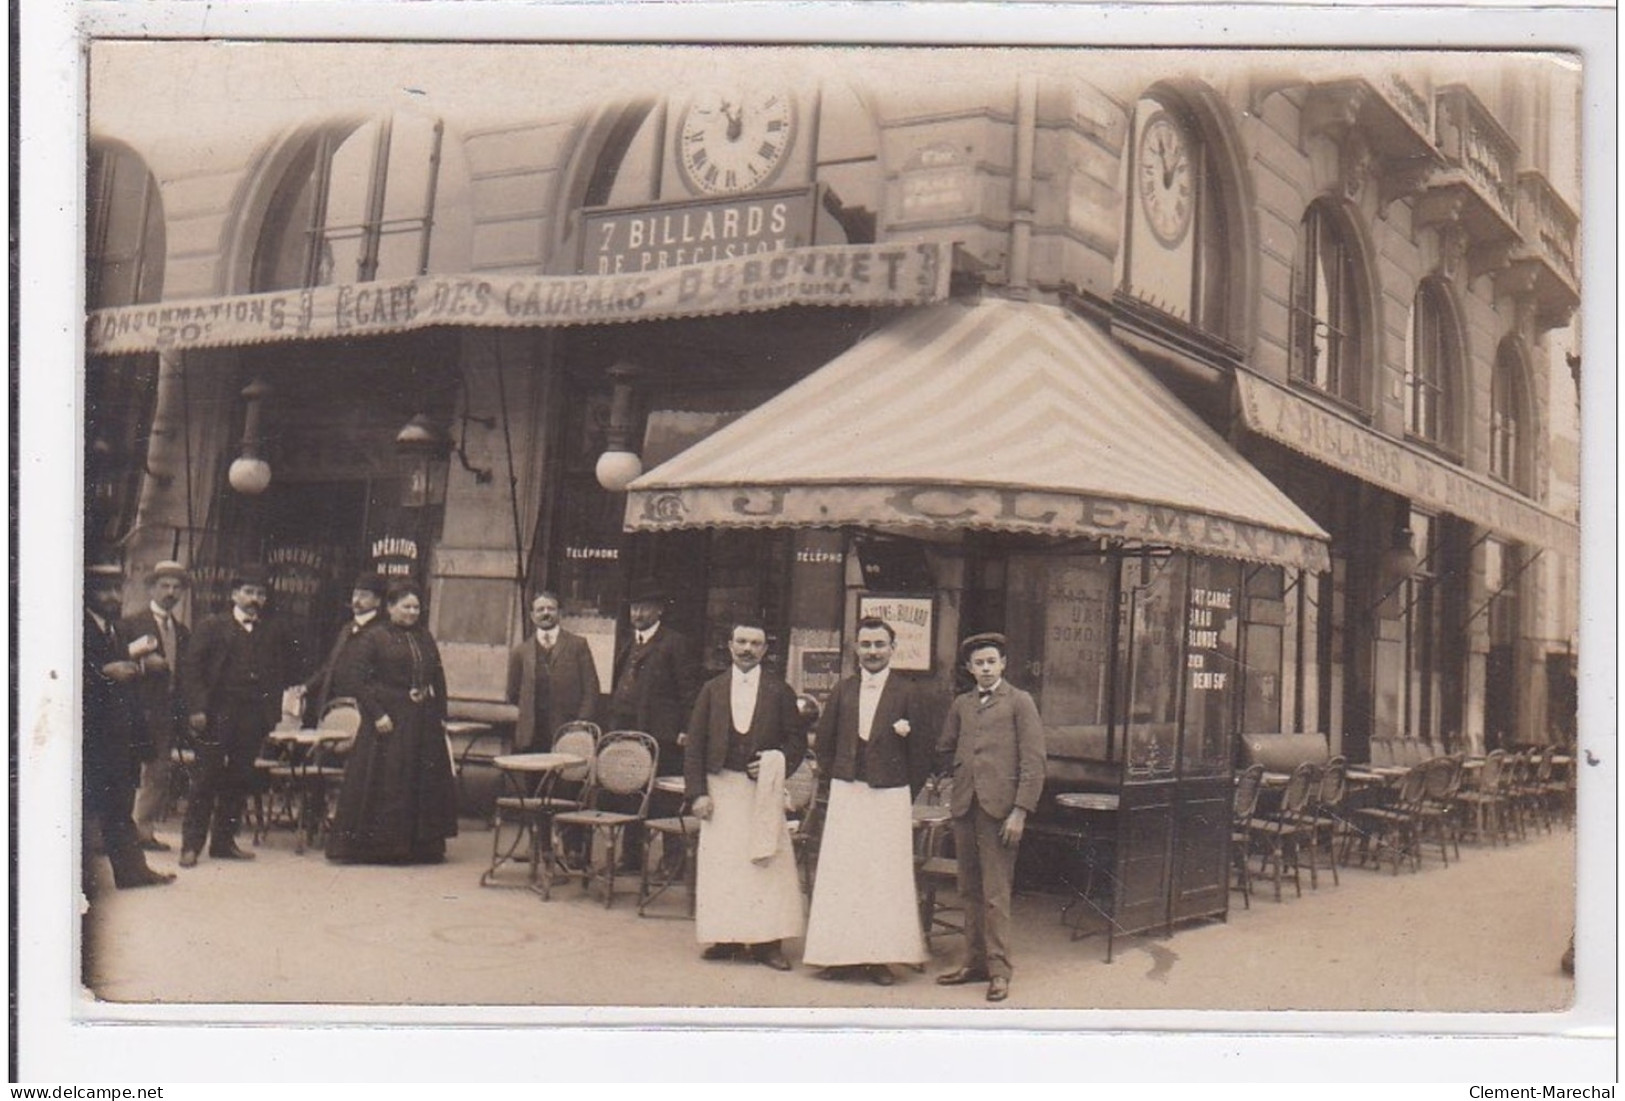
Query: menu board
point(1210, 635)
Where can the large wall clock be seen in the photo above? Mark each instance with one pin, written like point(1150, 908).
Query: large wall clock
point(1166, 185)
point(734, 141)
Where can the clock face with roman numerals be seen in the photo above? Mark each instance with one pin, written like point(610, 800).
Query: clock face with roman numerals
point(1166, 182)
point(734, 141)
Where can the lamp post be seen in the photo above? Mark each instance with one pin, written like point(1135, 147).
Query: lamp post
point(249, 474)
point(619, 464)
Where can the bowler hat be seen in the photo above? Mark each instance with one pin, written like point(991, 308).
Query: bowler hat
point(986, 638)
point(373, 583)
point(252, 574)
point(646, 592)
point(169, 568)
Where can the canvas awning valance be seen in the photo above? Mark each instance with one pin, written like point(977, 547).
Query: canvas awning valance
point(996, 415)
point(823, 275)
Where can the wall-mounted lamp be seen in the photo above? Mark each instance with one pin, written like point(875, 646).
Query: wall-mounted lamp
point(249, 474)
point(1399, 560)
point(619, 464)
point(424, 449)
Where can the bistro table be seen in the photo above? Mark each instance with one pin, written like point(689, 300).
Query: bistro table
point(1090, 831)
point(528, 779)
point(302, 760)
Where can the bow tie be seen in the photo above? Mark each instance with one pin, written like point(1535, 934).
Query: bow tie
point(983, 695)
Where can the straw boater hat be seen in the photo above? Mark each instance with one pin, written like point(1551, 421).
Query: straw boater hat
point(104, 573)
point(169, 568)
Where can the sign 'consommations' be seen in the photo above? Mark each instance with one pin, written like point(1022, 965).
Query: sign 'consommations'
point(827, 275)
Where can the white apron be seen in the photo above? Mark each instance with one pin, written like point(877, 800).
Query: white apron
point(736, 898)
point(864, 908)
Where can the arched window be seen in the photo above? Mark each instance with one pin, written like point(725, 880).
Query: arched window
point(1432, 366)
point(124, 266)
point(355, 204)
point(1175, 254)
point(1328, 345)
point(1509, 419)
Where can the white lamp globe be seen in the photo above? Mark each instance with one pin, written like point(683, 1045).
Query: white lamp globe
point(616, 469)
point(249, 476)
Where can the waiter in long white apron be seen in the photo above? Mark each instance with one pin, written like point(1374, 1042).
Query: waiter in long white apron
point(745, 735)
point(875, 742)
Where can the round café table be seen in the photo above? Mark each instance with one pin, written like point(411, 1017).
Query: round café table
point(528, 780)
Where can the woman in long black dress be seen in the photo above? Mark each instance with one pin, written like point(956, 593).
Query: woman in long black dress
point(398, 803)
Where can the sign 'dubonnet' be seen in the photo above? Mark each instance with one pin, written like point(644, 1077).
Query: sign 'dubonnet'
point(826, 275)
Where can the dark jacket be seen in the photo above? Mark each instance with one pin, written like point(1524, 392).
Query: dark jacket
point(775, 724)
point(205, 660)
point(996, 751)
point(664, 687)
point(162, 704)
point(892, 759)
point(115, 730)
point(567, 685)
point(329, 681)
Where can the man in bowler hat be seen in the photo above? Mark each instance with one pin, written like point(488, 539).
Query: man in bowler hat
point(158, 630)
point(993, 741)
point(236, 668)
point(114, 731)
point(327, 682)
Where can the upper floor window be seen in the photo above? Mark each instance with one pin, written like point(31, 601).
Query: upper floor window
point(1326, 343)
point(354, 205)
point(1174, 254)
point(124, 231)
point(1508, 419)
point(1432, 364)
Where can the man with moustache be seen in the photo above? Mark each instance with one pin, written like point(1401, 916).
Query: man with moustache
point(327, 683)
point(235, 670)
point(745, 736)
point(551, 677)
point(993, 741)
point(157, 626)
point(874, 744)
point(114, 732)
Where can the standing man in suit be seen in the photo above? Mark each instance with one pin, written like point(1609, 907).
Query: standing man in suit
point(236, 668)
point(158, 688)
point(874, 746)
point(993, 741)
point(551, 676)
point(327, 682)
point(114, 732)
point(655, 681)
point(745, 736)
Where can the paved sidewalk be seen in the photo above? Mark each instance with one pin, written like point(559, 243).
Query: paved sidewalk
point(1483, 934)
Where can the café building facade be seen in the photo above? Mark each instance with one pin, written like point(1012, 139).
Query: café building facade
point(1236, 398)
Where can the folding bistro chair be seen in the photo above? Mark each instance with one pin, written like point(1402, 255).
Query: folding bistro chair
point(617, 797)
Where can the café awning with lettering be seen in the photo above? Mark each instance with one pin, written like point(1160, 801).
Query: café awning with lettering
point(909, 274)
point(996, 416)
point(1343, 443)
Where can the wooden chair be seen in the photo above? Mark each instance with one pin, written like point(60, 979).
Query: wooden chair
point(1392, 829)
point(1284, 833)
point(528, 806)
point(1436, 810)
point(617, 797)
point(1243, 807)
point(1324, 816)
point(936, 870)
point(1481, 804)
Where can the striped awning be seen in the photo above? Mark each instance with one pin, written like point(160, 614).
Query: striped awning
point(996, 415)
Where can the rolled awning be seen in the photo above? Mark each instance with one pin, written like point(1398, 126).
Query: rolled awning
point(821, 275)
point(1343, 443)
point(998, 416)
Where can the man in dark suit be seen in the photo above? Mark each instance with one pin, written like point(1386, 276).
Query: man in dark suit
point(551, 676)
point(158, 627)
point(236, 667)
point(366, 596)
point(745, 736)
point(114, 732)
point(993, 740)
point(655, 680)
point(874, 747)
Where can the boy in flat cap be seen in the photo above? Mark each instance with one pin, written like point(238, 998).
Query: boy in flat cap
point(993, 741)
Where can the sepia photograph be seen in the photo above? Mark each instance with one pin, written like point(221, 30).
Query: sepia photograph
point(829, 528)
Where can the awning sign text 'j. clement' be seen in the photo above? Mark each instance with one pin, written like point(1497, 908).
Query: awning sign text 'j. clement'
point(1322, 434)
point(829, 275)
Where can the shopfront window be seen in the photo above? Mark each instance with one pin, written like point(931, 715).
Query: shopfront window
point(1422, 616)
point(1501, 570)
point(1059, 622)
point(355, 205)
point(1154, 606)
